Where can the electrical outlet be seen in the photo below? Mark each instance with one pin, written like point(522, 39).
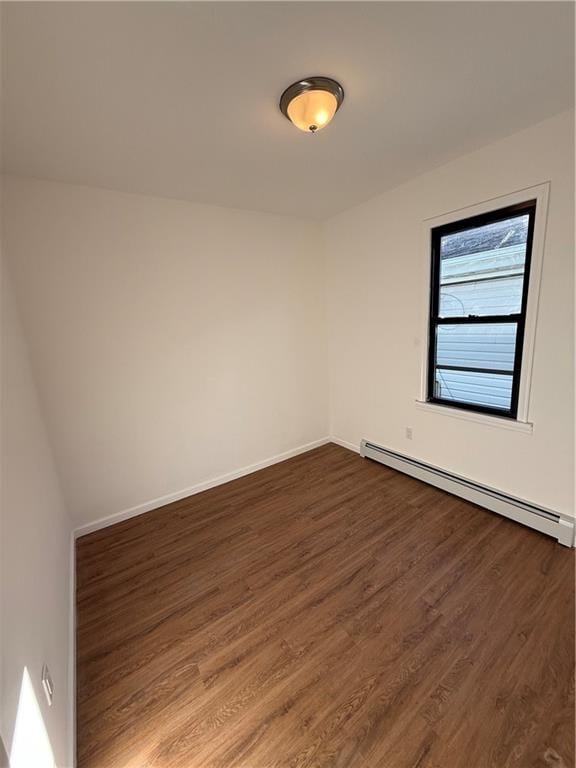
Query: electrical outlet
point(47, 685)
point(409, 433)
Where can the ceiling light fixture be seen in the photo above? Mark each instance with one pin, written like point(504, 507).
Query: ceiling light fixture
point(312, 103)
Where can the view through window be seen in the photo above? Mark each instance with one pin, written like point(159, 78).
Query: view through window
point(480, 271)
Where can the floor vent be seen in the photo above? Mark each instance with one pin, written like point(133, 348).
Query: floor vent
point(561, 527)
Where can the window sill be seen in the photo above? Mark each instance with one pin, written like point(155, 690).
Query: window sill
point(480, 418)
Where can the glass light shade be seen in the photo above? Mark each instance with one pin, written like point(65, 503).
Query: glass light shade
point(312, 110)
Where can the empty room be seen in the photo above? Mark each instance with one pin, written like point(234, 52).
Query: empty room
point(287, 384)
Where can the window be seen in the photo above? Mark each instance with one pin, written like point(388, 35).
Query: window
point(480, 273)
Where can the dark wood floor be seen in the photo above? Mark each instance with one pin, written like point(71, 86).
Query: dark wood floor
point(326, 611)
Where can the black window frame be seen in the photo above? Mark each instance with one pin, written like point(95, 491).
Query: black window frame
point(519, 319)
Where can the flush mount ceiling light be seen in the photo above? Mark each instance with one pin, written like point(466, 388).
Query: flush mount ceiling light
point(311, 103)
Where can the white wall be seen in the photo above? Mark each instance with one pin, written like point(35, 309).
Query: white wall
point(172, 342)
point(375, 298)
point(35, 547)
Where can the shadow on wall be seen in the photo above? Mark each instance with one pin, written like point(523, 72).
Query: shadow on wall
point(30, 744)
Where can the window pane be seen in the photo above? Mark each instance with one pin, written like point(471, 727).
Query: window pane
point(487, 389)
point(482, 345)
point(483, 297)
point(482, 269)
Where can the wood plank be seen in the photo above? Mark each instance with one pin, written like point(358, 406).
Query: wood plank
point(327, 612)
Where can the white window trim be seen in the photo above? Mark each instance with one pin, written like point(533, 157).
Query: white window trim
point(481, 418)
point(540, 193)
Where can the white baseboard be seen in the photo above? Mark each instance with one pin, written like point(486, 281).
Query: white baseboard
point(345, 444)
point(72, 655)
point(547, 521)
point(205, 485)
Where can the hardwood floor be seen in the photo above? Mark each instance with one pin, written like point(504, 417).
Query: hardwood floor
point(326, 611)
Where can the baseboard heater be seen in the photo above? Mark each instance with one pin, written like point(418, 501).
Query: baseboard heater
point(560, 527)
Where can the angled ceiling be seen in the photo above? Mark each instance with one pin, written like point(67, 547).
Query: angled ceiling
point(180, 99)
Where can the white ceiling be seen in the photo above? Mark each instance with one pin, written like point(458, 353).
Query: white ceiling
point(180, 99)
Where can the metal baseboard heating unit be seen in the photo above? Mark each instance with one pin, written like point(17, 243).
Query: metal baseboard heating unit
point(560, 527)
